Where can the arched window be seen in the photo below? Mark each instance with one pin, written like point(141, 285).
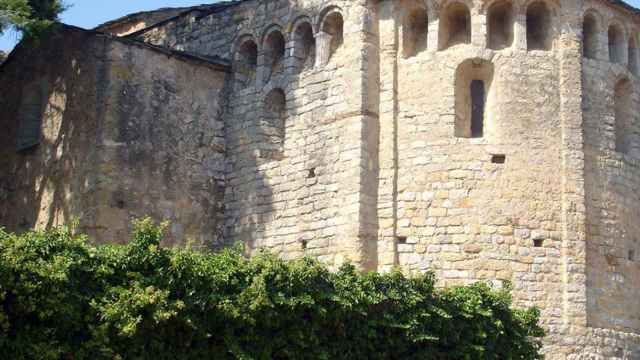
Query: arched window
point(539, 31)
point(472, 85)
point(333, 25)
point(590, 31)
point(414, 32)
point(455, 26)
point(246, 61)
point(616, 43)
point(623, 115)
point(305, 46)
point(274, 46)
point(500, 25)
point(273, 124)
point(632, 53)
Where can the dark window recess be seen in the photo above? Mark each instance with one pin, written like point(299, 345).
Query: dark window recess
point(401, 239)
point(538, 242)
point(312, 173)
point(632, 255)
point(303, 244)
point(477, 108)
point(498, 159)
point(32, 111)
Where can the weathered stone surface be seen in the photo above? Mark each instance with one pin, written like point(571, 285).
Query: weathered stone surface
point(349, 131)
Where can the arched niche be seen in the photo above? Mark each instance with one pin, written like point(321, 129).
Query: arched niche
point(473, 79)
point(616, 44)
point(624, 114)
point(455, 25)
point(274, 53)
point(415, 27)
point(304, 49)
point(539, 26)
point(332, 33)
point(245, 63)
point(500, 24)
point(590, 36)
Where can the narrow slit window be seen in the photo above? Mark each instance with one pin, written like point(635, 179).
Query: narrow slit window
point(477, 108)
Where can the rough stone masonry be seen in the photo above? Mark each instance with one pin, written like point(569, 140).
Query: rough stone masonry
point(492, 140)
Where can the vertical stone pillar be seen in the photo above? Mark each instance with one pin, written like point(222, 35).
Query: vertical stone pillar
point(389, 36)
point(520, 28)
point(573, 249)
point(359, 140)
point(478, 28)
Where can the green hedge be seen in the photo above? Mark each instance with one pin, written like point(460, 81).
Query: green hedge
point(62, 298)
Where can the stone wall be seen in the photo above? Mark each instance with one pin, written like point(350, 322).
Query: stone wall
point(349, 131)
point(127, 131)
point(612, 180)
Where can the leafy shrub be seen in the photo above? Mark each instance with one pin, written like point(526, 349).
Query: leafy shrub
point(62, 298)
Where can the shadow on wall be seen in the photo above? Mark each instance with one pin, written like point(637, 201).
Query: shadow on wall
point(46, 184)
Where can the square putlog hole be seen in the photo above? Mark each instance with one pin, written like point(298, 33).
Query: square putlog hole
point(401, 239)
point(498, 159)
point(538, 242)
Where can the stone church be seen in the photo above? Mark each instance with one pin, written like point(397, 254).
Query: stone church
point(485, 140)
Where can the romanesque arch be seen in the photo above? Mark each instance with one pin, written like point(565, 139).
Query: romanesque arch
point(245, 62)
point(455, 25)
point(539, 26)
point(500, 23)
point(623, 111)
point(274, 53)
point(590, 35)
point(332, 27)
point(472, 85)
point(615, 36)
point(415, 28)
point(304, 49)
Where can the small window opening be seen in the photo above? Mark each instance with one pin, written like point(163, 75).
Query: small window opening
point(273, 126)
point(305, 46)
point(498, 159)
point(275, 47)
point(538, 242)
point(334, 26)
point(414, 33)
point(32, 108)
point(455, 26)
point(477, 108)
point(538, 27)
point(500, 25)
point(401, 239)
point(590, 37)
point(472, 84)
point(303, 244)
point(246, 64)
point(623, 116)
point(616, 47)
point(632, 255)
point(312, 173)
point(633, 55)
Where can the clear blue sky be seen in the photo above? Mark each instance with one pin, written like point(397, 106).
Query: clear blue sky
point(89, 13)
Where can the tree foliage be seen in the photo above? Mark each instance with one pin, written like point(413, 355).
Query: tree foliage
point(61, 298)
point(31, 17)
